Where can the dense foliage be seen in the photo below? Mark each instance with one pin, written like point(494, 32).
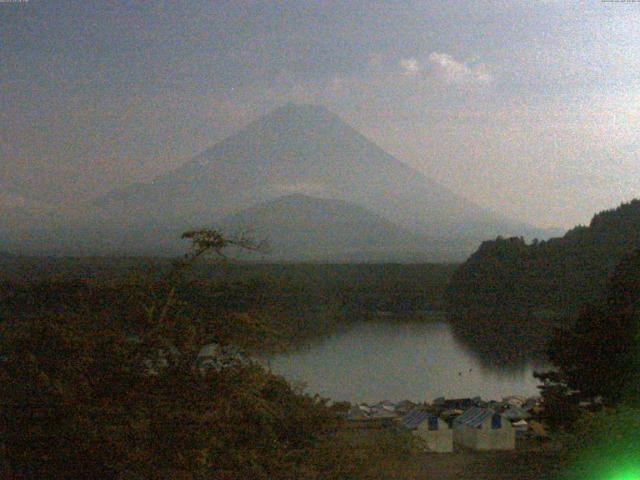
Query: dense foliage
point(82, 400)
point(598, 357)
point(111, 381)
point(503, 340)
point(558, 274)
point(393, 287)
point(288, 304)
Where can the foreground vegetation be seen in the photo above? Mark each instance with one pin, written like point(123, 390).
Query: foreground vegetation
point(370, 286)
point(109, 381)
point(287, 304)
point(112, 359)
point(592, 398)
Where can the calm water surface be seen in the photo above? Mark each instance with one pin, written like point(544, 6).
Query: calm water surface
point(380, 360)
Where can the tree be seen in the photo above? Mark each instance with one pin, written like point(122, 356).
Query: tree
point(560, 274)
point(599, 355)
point(86, 396)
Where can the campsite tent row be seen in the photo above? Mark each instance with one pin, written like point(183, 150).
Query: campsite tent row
point(381, 410)
point(515, 408)
point(513, 402)
point(477, 428)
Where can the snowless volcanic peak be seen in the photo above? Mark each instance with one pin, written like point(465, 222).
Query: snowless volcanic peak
point(303, 149)
point(298, 149)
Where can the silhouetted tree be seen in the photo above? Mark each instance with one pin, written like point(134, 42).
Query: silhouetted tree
point(86, 397)
point(599, 355)
point(560, 274)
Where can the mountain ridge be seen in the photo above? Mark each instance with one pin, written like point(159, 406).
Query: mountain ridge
point(294, 149)
point(299, 226)
point(558, 274)
point(310, 150)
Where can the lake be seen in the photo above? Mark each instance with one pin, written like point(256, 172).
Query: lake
point(395, 360)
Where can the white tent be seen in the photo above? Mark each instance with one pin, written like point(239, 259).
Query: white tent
point(435, 432)
point(483, 429)
point(521, 427)
point(404, 407)
point(513, 414)
point(514, 400)
point(356, 412)
point(382, 412)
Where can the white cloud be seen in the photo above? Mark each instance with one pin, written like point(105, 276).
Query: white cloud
point(459, 73)
point(410, 66)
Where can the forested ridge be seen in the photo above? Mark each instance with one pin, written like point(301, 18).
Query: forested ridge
point(559, 274)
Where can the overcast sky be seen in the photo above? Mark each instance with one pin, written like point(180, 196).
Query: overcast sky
point(531, 107)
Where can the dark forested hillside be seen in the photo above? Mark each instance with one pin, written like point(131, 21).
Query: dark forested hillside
point(558, 274)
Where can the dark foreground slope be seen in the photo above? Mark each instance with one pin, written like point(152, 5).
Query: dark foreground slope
point(559, 274)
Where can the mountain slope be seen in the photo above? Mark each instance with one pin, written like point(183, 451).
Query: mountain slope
point(309, 150)
point(302, 227)
point(293, 150)
point(559, 274)
point(11, 201)
point(20, 214)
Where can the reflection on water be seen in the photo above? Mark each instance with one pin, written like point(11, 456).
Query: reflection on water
point(503, 341)
point(385, 359)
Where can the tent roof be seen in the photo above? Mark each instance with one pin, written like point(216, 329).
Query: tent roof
point(415, 417)
point(474, 416)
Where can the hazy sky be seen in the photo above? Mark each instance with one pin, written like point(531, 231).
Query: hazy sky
point(527, 107)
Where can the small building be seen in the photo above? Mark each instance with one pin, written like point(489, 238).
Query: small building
point(436, 434)
point(483, 429)
point(514, 401)
point(521, 427)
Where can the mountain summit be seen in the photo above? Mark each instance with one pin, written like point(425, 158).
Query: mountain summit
point(309, 150)
point(295, 149)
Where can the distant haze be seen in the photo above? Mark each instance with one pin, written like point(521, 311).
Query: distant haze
point(299, 177)
point(527, 108)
